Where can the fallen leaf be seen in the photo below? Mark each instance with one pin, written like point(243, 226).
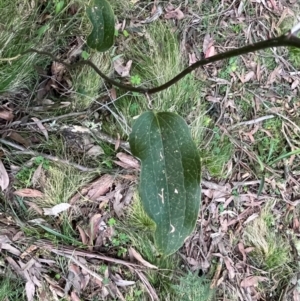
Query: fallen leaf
point(4, 179)
point(229, 267)
point(82, 235)
point(207, 42)
point(28, 193)
point(30, 290)
point(18, 138)
point(156, 13)
point(175, 14)
point(252, 281)
point(249, 76)
point(210, 51)
point(117, 204)
point(129, 160)
point(37, 175)
point(6, 115)
point(100, 187)
point(55, 210)
point(192, 58)
point(139, 258)
point(122, 69)
point(41, 127)
point(95, 151)
point(74, 296)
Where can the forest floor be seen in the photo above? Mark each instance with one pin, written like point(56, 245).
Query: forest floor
point(71, 222)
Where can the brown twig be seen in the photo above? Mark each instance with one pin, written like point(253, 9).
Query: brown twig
point(288, 39)
point(23, 151)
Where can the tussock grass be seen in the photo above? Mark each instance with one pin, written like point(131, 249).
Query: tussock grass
point(23, 27)
point(11, 288)
point(61, 184)
point(156, 59)
point(87, 84)
point(271, 250)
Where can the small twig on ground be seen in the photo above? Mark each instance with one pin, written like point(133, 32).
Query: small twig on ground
point(250, 122)
point(23, 151)
point(49, 119)
point(106, 138)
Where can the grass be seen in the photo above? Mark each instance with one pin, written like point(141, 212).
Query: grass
point(11, 288)
point(23, 27)
point(272, 251)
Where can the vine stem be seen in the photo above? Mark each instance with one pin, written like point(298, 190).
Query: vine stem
point(288, 39)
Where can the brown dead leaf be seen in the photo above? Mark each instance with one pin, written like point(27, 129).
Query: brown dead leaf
point(210, 52)
point(252, 281)
point(82, 235)
point(41, 127)
point(28, 251)
point(229, 267)
point(4, 179)
point(74, 296)
point(18, 138)
point(249, 76)
point(37, 175)
point(121, 69)
point(139, 258)
point(73, 279)
point(57, 70)
point(129, 160)
point(28, 193)
point(118, 141)
point(174, 14)
point(192, 58)
point(30, 290)
point(207, 42)
point(10, 249)
point(100, 187)
point(94, 227)
point(6, 114)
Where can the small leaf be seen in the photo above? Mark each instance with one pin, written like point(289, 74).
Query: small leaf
point(102, 18)
point(55, 210)
point(59, 6)
point(4, 179)
point(170, 176)
point(28, 193)
point(85, 55)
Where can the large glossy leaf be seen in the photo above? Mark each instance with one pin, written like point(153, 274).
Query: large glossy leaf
point(170, 176)
point(102, 18)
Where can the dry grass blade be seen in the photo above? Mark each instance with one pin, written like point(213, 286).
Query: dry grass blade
point(139, 258)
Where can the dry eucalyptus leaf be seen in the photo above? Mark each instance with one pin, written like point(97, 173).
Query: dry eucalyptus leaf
point(41, 127)
point(122, 69)
point(30, 290)
point(18, 138)
point(249, 76)
point(6, 115)
point(4, 179)
point(29, 193)
point(252, 281)
point(129, 160)
point(174, 14)
point(139, 258)
point(56, 209)
point(37, 175)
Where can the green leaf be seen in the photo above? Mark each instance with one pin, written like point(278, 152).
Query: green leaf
point(59, 6)
point(170, 176)
point(102, 18)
